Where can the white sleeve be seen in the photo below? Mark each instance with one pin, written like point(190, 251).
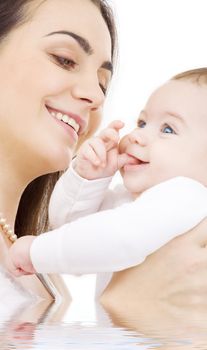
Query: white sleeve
point(116, 239)
point(74, 197)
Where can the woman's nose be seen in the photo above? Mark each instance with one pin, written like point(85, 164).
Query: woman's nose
point(88, 90)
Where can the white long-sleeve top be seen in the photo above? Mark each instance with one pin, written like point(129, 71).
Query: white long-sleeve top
point(122, 232)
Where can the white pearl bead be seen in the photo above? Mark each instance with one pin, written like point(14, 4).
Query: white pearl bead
point(2, 221)
point(13, 237)
point(6, 228)
point(9, 233)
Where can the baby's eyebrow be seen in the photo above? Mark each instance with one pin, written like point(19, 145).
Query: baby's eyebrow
point(141, 114)
point(175, 115)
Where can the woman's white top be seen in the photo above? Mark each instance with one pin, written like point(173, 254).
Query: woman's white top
point(13, 298)
point(121, 232)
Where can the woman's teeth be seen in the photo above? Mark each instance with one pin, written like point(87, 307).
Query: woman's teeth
point(66, 119)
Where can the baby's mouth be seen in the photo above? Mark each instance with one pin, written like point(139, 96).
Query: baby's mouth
point(139, 161)
point(136, 161)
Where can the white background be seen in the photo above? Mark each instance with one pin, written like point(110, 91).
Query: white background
point(157, 39)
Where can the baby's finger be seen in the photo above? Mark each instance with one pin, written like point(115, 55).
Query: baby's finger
point(112, 158)
point(116, 124)
point(125, 159)
point(12, 268)
point(95, 152)
point(110, 137)
point(19, 272)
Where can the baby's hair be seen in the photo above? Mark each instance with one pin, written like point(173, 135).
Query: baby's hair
point(198, 75)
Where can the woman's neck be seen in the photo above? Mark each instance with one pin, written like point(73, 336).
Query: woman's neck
point(11, 189)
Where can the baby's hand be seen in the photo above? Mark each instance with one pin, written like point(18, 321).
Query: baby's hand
point(18, 261)
point(98, 156)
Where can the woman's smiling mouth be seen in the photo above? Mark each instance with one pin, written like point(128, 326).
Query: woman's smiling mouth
point(71, 122)
point(66, 119)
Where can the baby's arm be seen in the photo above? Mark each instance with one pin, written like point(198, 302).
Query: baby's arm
point(82, 188)
point(74, 197)
point(116, 239)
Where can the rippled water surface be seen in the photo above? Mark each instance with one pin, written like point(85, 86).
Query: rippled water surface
point(56, 327)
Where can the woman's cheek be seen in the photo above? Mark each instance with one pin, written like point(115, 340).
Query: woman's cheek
point(95, 120)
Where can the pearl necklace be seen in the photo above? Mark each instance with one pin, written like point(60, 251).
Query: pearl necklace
point(6, 229)
point(44, 279)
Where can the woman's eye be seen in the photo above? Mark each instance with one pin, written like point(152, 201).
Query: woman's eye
point(65, 62)
point(141, 123)
point(167, 129)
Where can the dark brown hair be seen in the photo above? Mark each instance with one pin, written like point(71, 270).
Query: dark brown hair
point(32, 214)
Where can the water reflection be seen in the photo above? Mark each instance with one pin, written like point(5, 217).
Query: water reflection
point(163, 325)
point(159, 326)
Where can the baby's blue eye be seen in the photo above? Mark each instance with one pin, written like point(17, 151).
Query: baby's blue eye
point(166, 129)
point(141, 123)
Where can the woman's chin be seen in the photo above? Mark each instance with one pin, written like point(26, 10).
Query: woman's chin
point(60, 165)
point(56, 163)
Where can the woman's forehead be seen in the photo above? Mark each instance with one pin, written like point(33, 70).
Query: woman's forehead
point(82, 17)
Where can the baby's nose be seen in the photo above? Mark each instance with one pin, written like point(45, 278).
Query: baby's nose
point(139, 136)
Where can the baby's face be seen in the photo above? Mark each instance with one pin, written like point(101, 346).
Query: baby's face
point(170, 138)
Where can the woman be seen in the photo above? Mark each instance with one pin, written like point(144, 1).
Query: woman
point(174, 275)
point(164, 298)
point(41, 81)
point(54, 76)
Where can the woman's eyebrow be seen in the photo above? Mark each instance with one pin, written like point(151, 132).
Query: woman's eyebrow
point(85, 46)
point(83, 43)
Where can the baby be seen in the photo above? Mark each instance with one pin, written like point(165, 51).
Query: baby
point(163, 163)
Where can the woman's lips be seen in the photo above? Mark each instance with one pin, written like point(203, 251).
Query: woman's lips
point(70, 129)
point(78, 123)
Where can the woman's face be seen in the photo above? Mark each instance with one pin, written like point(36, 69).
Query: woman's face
point(54, 70)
